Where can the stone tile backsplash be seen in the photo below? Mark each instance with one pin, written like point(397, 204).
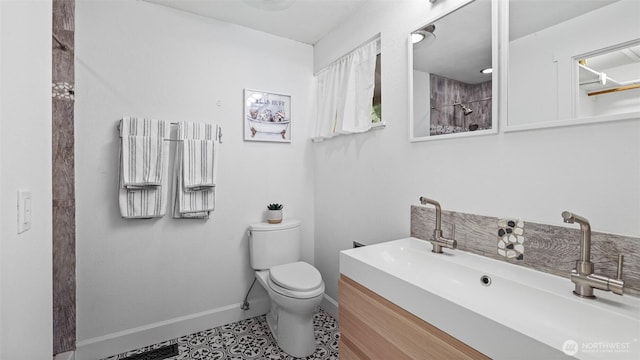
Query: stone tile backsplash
point(511, 238)
point(548, 248)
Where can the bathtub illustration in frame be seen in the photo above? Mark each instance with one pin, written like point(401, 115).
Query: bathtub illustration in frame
point(267, 116)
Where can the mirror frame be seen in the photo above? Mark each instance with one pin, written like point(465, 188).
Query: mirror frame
point(574, 119)
point(498, 58)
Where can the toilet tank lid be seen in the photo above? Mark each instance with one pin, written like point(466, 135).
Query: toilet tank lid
point(265, 226)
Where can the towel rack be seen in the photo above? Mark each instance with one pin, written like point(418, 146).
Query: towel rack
point(218, 132)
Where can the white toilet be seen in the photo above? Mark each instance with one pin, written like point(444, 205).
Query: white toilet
point(294, 287)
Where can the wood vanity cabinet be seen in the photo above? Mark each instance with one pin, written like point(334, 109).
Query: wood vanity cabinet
point(372, 327)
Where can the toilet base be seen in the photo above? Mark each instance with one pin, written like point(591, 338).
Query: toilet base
point(293, 333)
point(291, 320)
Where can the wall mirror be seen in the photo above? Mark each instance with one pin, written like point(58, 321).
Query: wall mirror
point(453, 78)
point(573, 61)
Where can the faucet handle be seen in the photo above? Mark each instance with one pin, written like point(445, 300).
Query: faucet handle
point(620, 263)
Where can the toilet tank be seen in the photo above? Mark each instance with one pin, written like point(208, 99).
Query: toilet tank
point(274, 244)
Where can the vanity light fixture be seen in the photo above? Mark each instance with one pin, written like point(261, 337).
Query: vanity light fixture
point(424, 33)
point(488, 70)
point(416, 37)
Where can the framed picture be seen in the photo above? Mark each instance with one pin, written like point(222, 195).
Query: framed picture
point(267, 116)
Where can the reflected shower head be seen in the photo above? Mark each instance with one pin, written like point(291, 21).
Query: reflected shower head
point(465, 110)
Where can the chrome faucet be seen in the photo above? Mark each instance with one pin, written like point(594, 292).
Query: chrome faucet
point(437, 240)
point(582, 276)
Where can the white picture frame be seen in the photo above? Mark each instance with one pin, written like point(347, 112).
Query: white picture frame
point(267, 116)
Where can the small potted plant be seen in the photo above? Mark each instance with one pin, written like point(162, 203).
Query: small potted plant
point(274, 213)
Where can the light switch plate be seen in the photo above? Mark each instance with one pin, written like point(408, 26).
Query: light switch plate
point(24, 210)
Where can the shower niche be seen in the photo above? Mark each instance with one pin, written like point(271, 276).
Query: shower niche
point(453, 78)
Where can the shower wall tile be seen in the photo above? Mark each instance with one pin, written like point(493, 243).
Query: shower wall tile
point(63, 63)
point(64, 277)
point(64, 252)
point(64, 320)
point(63, 150)
point(63, 178)
point(64, 296)
point(63, 14)
point(548, 248)
point(445, 92)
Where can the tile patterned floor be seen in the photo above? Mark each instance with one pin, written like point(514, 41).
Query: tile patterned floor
point(247, 339)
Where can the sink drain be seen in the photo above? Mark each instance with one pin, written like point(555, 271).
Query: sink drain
point(485, 280)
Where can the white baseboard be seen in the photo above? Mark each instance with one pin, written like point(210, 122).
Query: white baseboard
point(122, 341)
point(69, 355)
point(330, 306)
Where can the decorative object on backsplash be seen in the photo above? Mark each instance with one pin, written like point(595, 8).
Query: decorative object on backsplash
point(274, 213)
point(511, 238)
point(267, 116)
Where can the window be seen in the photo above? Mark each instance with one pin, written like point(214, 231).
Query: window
point(376, 110)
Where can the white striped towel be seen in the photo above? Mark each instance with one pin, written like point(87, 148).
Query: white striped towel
point(142, 161)
point(198, 201)
point(131, 126)
point(137, 201)
point(199, 131)
point(144, 203)
point(198, 164)
point(143, 151)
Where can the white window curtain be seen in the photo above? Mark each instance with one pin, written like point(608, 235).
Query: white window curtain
point(345, 93)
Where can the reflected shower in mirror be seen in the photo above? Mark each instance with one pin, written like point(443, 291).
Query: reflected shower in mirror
point(573, 61)
point(452, 80)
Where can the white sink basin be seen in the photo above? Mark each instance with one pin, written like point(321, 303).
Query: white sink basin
point(522, 314)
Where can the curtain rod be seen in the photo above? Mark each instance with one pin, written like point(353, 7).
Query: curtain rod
point(376, 37)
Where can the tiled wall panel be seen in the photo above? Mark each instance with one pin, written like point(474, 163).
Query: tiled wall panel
point(64, 258)
point(547, 248)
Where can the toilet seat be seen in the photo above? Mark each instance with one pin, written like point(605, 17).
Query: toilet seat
point(298, 280)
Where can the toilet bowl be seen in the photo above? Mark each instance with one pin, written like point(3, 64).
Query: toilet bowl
point(292, 307)
point(295, 287)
